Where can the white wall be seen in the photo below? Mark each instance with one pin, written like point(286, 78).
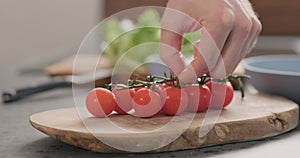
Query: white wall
point(41, 29)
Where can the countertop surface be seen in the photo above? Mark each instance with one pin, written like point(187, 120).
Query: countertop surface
point(18, 139)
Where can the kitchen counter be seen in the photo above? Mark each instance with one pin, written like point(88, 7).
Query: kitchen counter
point(19, 139)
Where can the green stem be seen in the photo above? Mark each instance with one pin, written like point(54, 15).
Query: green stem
point(237, 81)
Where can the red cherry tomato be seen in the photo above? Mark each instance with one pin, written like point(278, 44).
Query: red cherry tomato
point(100, 102)
point(123, 99)
point(138, 88)
point(229, 94)
point(160, 89)
point(199, 98)
point(222, 94)
point(176, 101)
point(146, 103)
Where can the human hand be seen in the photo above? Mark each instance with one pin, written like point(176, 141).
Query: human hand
point(229, 31)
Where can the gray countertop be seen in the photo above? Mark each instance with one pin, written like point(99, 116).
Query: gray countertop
point(18, 139)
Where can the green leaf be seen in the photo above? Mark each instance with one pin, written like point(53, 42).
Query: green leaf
point(123, 35)
point(149, 17)
point(188, 41)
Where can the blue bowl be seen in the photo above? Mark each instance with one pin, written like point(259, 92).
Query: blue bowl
point(275, 74)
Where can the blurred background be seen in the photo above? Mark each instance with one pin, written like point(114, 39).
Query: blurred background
point(41, 31)
point(36, 33)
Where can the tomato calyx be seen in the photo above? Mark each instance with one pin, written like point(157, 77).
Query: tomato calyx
point(203, 79)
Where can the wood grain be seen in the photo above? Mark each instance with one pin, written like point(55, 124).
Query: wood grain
point(258, 116)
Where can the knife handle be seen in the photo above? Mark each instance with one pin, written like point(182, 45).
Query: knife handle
point(16, 94)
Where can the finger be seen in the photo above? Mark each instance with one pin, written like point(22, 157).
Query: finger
point(256, 27)
point(255, 31)
point(236, 42)
point(207, 50)
point(169, 51)
point(171, 37)
point(197, 67)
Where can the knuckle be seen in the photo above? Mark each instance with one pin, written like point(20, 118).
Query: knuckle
point(227, 18)
point(258, 25)
point(245, 26)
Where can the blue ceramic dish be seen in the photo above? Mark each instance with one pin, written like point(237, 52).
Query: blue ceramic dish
point(275, 74)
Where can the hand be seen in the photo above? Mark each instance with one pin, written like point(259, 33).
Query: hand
point(229, 31)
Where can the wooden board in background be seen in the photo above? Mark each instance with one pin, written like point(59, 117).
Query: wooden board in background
point(88, 63)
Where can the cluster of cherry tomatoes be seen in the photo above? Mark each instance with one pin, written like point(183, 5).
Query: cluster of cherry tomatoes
point(148, 98)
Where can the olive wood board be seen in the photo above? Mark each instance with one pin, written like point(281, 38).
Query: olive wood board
point(257, 116)
point(85, 63)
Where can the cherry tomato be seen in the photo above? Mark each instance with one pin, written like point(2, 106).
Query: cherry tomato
point(146, 103)
point(160, 89)
point(167, 84)
point(137, 89)
point(100, 102)
point(176, 101)
point(229, 94)
point(222, 94)
point(199, 98)
point(123, 99)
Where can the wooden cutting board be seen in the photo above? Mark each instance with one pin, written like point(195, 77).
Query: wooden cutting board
point(85, 63)
point(258, 116)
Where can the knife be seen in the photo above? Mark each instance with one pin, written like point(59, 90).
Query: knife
point(12, 95)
